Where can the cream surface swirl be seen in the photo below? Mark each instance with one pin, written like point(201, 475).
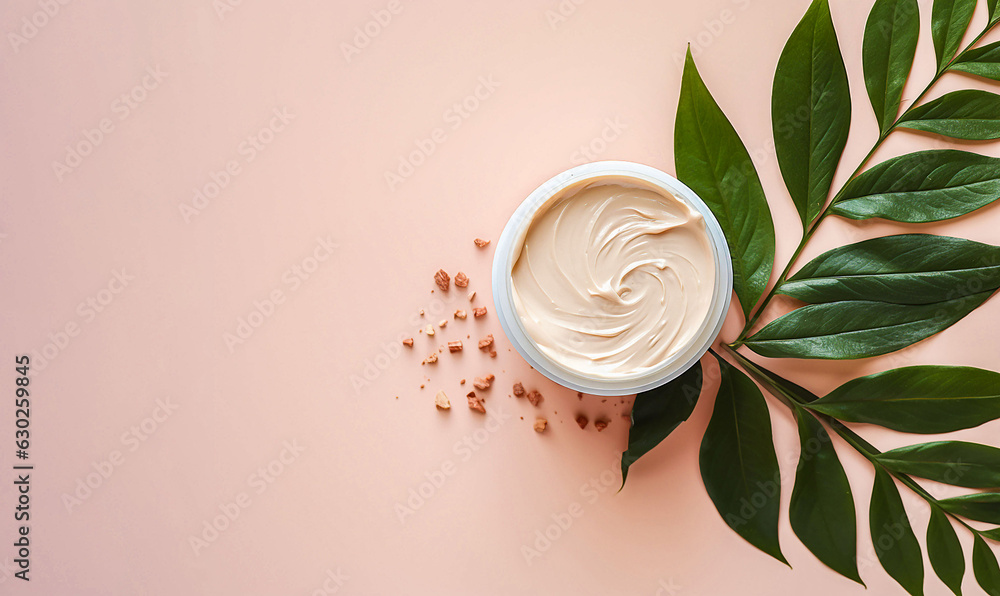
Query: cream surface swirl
point(613, 277)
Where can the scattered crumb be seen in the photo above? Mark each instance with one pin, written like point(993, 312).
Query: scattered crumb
point(461, 280)
point(480, 383)
point(462, 382)
point(429, 329)
point(518, 390)
point(535, 398)
point(579, 395)
point(481, 243)
point(441, 401)
point(421, 312)
point(442, 279)
point(459, 314)
point(430, 359)
point(493, 353)
point(475, 403)
point(479, 311)
point(472, 295)
point(421, 386)
point(486, 343)
point(443, 323)
point(454, 346)
point(604, 401)
point(540, 424)
point(408, 342)
point(601, 424)
point(582, 421)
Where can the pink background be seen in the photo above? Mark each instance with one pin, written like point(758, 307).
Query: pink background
point(324, 372)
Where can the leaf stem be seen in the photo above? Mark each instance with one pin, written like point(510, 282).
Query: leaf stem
point(811, 229)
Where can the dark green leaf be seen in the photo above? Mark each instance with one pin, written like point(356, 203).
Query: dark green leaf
point(810, 110)
point(917, 399)
point(949, 20)
point(992, 6)
point(993, 534)
point(984, 507)
point(922, 187)
point(950, 462)
point(970, 114)
point(738, 463)
point(889, 45)
point(821, 512)
point(857, 328)
point(904, 269)
point(657, 412)
point(945, 551)
point(895, 544)
point(982, 62)
point(710, 158)
point(984, 565)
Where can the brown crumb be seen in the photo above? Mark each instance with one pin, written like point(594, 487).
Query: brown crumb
point(493, 353)
point(472, 295)
point(429, 329)
point(486, 343)
point(535, 398)
point(479, 311)
point(475, 403)
point(459, 314)
point(430, 359)
point(408, 342)
point(481, 243)
point(490, 377)
point(518, 390)
point(442, 279)
point(441, 401)
point(443, 323)
point(480, 383)
point(461, 280)
point(582, 421)
point(462, 382)
point(540, 424)
point(601, 424)
point(454, 346)
point(421, 312)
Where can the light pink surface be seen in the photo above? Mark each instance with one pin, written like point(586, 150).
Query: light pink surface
point(324, 370)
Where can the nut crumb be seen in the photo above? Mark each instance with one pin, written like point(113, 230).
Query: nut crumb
point(479, 311)
point(481, 383)
point(475, 403)
point(540, 424)
point(462, 382)
point(600, 425)
point(430, 359)
point(408, 342)
point(518, 390)
point(461, 280)
point(441, 401)
point(481, 243)
point(472, 295)
point(535, 398)
point(443, 323)
point(429, 329)
point(454, 346)
point(493, 353)
point(486, 343)
point(459, 314)
point(582, 421)
point(442, 279)
point(421, 312)
point(421, 386)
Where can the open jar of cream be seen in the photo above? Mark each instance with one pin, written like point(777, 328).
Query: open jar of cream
point(612, 278)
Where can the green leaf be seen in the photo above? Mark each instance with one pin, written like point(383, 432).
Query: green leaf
point(945, 551)
point(984, 565)
point(821, 512)
point(917, 399)
point(890, 43)
point(657, 412)
point(982, 62)
point(857, 328)
point(992, 6)
point(810, 110)
point(895, 544)
point(949, 20)
point(984, 507)
point(993, 534)
point(738, 463)
point(970, 114)
point(710, 158)
point(922, 187)
point(950, 462)
point(904, 269)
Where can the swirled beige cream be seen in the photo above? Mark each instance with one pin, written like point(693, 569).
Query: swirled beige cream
point(613, 277)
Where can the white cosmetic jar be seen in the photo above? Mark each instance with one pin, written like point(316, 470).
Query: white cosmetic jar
point(513, 236)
